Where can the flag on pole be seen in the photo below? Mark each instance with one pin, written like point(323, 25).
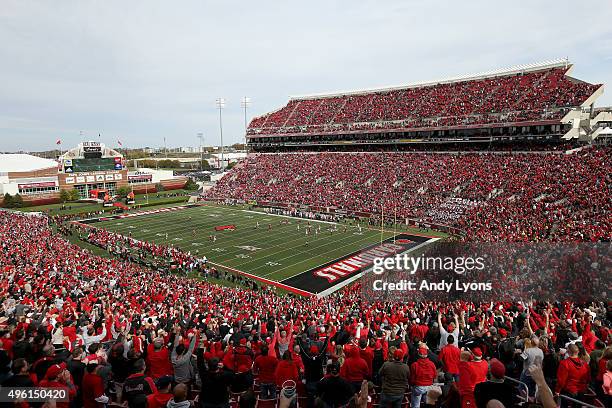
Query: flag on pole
point(58, 142)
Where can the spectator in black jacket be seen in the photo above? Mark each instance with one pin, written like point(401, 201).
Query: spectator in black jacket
point(119, 363)
point(432, 338)
point(215, 383)
point(137, 386)
point(22, 347)
point(76, 367)
point(394, 375)
point(313, 359)
point(5, 366)
point(334, 390)
point(495, 388)
point(21, 375)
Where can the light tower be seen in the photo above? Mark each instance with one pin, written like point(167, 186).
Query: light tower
point(245, 103)
point(220, 102)
point(201, 137)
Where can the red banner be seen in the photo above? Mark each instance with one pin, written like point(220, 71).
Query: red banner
point(37, 185)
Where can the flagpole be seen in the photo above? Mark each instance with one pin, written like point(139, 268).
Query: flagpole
point(59, 143)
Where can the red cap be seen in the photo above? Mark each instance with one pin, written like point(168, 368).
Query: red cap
point(503, 332)
point(243, 341)
point(398, 354)
point(477, 352)
point(423, 351)
point(498, 369)
point(55, 370)
point(314, 349)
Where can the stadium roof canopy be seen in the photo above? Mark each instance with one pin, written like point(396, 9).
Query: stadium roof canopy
point(24, 162)
point(518, 69)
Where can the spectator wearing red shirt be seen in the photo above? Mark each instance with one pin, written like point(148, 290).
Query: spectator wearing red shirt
point(354, 369)
point(265, 366)
point(479, 366)
point(286, 369)
point(158, 359)
point(449, 357)
point(239, 359)
point(466, 380)
point(70, 331)
point(297, 358)
point(573, 376)
point(58, 377)
point(418, 330)
point(93, 388)
point(160, 398)
point(422, 376)
point(367, 354)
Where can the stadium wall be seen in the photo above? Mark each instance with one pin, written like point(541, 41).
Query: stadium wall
point(174, 184)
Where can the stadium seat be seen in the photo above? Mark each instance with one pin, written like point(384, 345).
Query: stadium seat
point(266, 403)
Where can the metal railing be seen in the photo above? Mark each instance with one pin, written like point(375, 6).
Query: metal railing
point(520, 385)
point(580, 403)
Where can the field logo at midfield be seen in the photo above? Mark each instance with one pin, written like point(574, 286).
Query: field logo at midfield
point(333, 273)
point(248, 248)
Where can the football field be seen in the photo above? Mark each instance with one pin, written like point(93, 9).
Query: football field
point(269, 247)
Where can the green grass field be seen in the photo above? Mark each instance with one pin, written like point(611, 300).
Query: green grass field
point(274, 254)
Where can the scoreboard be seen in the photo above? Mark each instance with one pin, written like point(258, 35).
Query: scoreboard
point(92, 164)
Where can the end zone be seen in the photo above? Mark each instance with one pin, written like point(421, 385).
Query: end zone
point(333, 275)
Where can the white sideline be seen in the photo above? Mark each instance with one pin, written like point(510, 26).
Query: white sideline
point(289, 216)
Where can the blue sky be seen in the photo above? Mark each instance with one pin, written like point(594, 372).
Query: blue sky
point(139, 71)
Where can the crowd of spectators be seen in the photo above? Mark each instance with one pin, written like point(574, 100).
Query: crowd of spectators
point(113, 332)
point(490, 196)
point(525, 97)
point(129, 248)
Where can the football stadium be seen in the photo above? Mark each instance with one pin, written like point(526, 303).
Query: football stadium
point(440, 243)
